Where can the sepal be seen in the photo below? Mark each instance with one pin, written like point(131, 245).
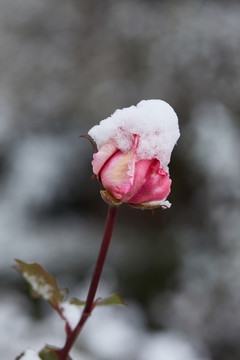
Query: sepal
point(86, 136)
point(164, 204)
point(109, 198)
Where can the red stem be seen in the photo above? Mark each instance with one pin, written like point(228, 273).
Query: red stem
point(111, 217)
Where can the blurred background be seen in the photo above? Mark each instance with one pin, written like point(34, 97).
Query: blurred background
point(66, 65)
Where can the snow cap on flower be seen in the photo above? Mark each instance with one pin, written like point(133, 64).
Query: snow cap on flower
point(154, 121)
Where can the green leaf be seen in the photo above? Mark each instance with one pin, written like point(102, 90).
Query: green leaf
point(114, 299)
point(41, 283)
point(50, 353)
point(77, 302)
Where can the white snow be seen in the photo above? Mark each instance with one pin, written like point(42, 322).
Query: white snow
point(30, 355)
point(38, 285)
point(153, 120)
point(168, 346)
point(110, 333)
point(71, 313)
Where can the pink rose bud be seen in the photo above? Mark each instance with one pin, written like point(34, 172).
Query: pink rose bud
point(134, 149)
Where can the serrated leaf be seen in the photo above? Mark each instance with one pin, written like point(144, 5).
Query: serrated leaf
point(114, 299)
point(50, 353)
point(42, 284)
point(77, 302)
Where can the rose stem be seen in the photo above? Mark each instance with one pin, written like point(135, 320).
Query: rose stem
point(111, 217)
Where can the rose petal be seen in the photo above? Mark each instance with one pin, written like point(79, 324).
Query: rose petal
point(103, 154)
point(155, 188)
point(141, 170)
point(117, 173)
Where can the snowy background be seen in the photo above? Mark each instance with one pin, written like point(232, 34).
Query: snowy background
point(64, 66)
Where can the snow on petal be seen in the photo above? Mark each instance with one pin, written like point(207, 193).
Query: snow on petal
point(154, 121)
